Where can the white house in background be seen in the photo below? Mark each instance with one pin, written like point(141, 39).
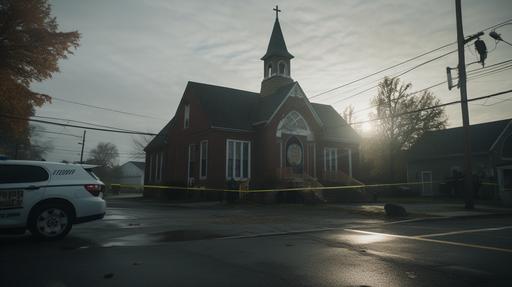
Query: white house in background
point(132, 173)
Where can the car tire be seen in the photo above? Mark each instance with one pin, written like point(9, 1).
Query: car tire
point(51, 221)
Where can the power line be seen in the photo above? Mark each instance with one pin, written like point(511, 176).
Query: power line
point(401, 63)
point(76, 126)
point(436, 106)
point(382, 70)
point(129, 156)
point(415, 67)
point(52, 147)
point(494, 71)
point(401, 74)
point(474, 74)
point(490, 66)
point(105, 109)
point(80, 122)
point(57, 133)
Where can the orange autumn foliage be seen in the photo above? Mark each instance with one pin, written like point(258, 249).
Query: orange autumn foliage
point(30, 47)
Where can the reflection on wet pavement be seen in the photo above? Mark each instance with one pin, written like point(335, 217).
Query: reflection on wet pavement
point(162, 237)
point(359, 239)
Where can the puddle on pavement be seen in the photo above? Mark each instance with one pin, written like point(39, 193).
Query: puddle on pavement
point(162, 237)
point(117, 217)
point(75, 243)
point(187, 235)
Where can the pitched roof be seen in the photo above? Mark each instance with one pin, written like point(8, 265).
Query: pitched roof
point(139, 164)
point(225, 107)
point(268, 104)
point(240, 110)
point(161, 138)
point(276, 45)
point(335, 127)
point(449, 141)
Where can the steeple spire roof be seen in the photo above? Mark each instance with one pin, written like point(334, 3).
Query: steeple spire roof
point(277, 46)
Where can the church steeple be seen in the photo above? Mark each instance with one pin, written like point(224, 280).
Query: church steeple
point(277, 46)
point(276, 61)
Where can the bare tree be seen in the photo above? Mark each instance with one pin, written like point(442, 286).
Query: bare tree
point(38, 147)
point(348, 114)
point(399, 123)
point(104, 154)
point(139, 143)
point(404, 117)
point(30, 146)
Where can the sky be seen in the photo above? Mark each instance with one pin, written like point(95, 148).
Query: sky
point(137, 56)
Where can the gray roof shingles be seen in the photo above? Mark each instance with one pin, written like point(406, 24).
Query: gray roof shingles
point(276, 45)
point(450, 141)
point(139, 164)
point(268, 104)
point(161, 138)
point(225, 107)
point(241, 110)
point(335, 127)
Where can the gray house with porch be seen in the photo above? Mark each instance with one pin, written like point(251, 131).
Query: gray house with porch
point(437, 159)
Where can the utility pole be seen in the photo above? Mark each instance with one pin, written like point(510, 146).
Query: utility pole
point(468, 178)
point(83, 144)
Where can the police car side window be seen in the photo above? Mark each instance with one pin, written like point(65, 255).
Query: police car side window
point(22, 173)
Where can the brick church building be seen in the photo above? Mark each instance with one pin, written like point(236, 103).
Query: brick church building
point(220, 137)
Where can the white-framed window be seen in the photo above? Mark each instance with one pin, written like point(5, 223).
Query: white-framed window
point(155, 168)
point(161, 166)
point(191, 160)
point(269, 70)
point(281, 154)
point(294, 124)
point(150, 161)
point(330, 159)
point(426, 182)
point(186, 117)
point(203, 160)
point(238, 159)
point(156, 163)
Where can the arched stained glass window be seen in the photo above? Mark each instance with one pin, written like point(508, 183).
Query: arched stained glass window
point(293, 124)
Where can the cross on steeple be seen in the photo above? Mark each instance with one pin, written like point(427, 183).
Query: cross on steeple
point(277, 11)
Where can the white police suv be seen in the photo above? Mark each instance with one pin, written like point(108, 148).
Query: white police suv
point(47, 198)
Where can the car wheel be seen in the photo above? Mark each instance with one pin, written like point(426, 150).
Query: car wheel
point(51, 221)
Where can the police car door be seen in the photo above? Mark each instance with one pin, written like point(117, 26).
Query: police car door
point(21, 187)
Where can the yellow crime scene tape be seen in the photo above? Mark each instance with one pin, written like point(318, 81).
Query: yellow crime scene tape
point(306, 188)
point(489, 183)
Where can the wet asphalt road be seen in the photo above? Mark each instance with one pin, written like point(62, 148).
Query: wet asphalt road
point(148, 244)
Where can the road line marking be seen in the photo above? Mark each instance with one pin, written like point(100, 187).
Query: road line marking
point(465, 231)
point(432, 240)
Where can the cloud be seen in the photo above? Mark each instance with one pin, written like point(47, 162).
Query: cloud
point(138, 55)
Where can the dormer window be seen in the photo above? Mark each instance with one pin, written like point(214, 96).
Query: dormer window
point(186, 117)
point(282, 68)
point(269, 70)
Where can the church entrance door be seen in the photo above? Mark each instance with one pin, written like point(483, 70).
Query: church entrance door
point(295, 155)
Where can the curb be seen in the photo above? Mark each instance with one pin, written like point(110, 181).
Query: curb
point(486, 215)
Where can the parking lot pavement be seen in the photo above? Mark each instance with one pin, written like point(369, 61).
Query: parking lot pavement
point(151, 244)
point(478, 246)
point(135, 222)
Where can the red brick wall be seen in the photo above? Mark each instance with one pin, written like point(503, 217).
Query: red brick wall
point(265, 148)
